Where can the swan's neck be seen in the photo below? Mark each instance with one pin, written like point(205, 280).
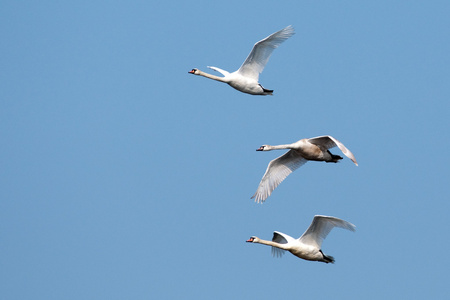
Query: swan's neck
point(273, 244)
point(277, 147)
point(222, 79)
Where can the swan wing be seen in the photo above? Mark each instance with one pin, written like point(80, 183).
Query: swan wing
point(280, 238)
point(326, 142)
point(223, 72)
point(277, 170)
point(321, 227)
point(259, 56)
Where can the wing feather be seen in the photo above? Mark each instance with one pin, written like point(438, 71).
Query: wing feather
point(223, 72)
point(321, 227)
point(279, 238)
point(277, 170)
point(259, 56)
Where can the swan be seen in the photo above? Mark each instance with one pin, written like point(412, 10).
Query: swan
point(308, 246)
point(246, 78)
point(301, 151)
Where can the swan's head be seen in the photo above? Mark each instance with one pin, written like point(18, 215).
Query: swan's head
point(263, 148)
point(252, 239)
point(194, 71)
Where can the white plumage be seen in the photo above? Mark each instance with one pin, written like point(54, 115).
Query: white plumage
point(302, 151)
point(246, 78)
point(308, 246)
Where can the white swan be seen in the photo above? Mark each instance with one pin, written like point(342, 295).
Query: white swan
point(309, 244)
point(301, 151)
point(246, 78)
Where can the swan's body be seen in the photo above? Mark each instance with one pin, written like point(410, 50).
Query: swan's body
point(306, 149)
point(308, 246)
point(246, 78)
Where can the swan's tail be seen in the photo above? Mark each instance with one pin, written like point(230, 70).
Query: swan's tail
point(328, 259)
point(266, 91)
point(334, 158)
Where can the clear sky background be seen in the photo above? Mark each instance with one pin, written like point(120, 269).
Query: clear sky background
point(124, 177)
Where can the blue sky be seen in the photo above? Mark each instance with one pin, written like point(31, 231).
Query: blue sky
point(125, 177)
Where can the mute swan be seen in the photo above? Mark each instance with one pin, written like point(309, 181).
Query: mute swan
point(246, 78)
point(301, 151)
point(309, 244)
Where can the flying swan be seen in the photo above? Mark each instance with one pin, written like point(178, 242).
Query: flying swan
point(246, 78)
point(301, 151)
point(308, 246)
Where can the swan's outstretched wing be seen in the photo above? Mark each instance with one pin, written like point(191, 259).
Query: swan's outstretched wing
point(280, 238)
point(259, 56)
point(321, 227)
point(328, 142)
point(223, 72)
point(277, 170)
